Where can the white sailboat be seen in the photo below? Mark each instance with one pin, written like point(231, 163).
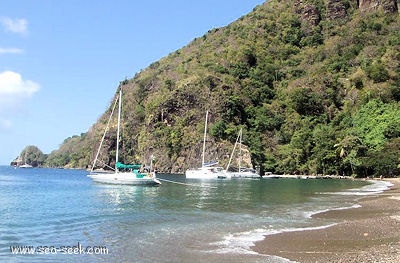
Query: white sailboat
point(26, 165)
point(123, 173)
point(207, 170)
point(242, 172)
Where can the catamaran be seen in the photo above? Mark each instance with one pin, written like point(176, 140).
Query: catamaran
point(207, 170)
point(130, 174)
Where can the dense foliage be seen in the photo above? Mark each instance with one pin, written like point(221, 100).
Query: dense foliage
point(312, 98)
point(31, 155)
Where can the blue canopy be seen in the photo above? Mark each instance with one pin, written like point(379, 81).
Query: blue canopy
point(128, 166)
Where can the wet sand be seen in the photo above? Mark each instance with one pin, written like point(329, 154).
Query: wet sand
point(370, 233)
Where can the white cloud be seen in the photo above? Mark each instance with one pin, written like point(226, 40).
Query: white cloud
point(19, 26)
point(11, 83)
point(11, 51)
point(14, 91)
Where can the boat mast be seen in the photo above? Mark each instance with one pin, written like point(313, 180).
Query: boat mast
point(240, 147)
point(204, 140)
point(104, 135)
point(233, 151)
point(119, 121)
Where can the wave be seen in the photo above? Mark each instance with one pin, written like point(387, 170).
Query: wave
point(242, 242)
point(311, 213)
point(375, 187)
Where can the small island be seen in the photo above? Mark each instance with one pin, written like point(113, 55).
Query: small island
point(31, 156)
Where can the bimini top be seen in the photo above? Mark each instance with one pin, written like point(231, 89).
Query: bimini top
point(128, 166)
point(210, 164)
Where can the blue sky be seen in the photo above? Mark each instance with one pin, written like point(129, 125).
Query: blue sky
point(61, 61)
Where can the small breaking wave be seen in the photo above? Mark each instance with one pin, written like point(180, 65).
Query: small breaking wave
point(241, 243)
point(375, 187)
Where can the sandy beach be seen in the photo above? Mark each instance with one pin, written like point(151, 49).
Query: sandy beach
point(370, 233)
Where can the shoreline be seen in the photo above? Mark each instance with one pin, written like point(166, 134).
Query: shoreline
point(368, 233)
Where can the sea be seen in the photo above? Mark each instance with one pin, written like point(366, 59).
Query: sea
point(61, 215)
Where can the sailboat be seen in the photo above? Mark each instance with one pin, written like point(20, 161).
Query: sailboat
point(26, 165)
point(207, 170)
point(130, 174)
point(242, 172)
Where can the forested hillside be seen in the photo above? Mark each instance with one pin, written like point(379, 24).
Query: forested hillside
point(314, 84)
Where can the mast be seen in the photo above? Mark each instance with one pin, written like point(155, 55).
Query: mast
point(240, 147)
point(119, 121)
point(233, 151)
point(204, 140)
point(104, 135)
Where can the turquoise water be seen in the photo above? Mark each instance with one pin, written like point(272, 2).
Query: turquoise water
point(64, 212)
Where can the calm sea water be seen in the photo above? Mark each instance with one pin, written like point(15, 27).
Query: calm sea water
point(61, 213)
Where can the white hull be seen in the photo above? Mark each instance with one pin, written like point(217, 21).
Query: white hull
point(242, 175)
point(26, 166)
point(205, 173)
point(127, 178)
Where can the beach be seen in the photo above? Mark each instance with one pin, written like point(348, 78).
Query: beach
point(369, 233)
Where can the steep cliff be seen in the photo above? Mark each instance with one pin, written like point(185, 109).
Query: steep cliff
point(336, 9)
point(295, 77)
point(388, 6)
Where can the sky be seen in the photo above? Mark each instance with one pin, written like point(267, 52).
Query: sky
point(62, 61)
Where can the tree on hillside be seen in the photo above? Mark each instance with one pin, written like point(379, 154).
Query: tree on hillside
point(32, 155)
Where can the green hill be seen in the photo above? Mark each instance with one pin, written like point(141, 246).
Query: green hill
point(314, 84)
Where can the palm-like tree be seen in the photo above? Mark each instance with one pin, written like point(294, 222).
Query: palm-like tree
point(348, 149)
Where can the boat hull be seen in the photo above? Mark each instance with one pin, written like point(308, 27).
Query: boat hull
point(26, 166)
point(205, 173)
point(123, 178)
point(242, 175)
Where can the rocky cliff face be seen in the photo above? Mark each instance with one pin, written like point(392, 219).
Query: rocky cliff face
point(336, 9)
point(388, 6)
point(307, 12)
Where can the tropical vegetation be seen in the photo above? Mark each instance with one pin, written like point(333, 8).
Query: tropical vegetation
point(314, 95)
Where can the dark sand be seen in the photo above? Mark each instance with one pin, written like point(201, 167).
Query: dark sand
point(370, 233)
